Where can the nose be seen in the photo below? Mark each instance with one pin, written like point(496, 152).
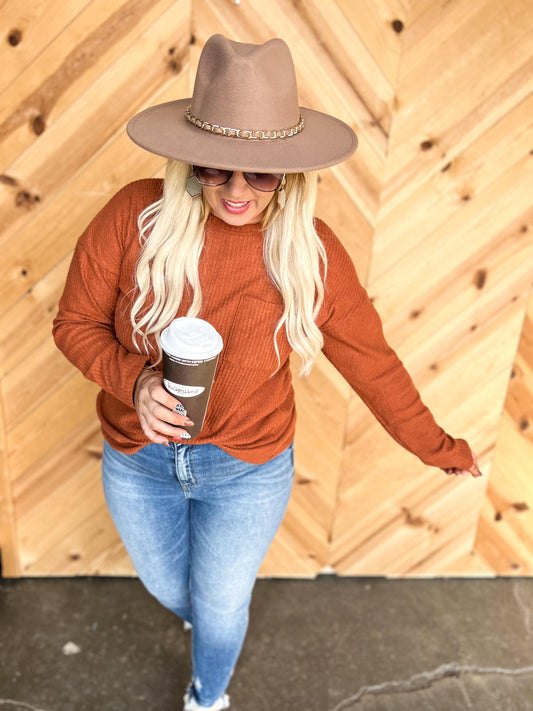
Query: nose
point(237, 184)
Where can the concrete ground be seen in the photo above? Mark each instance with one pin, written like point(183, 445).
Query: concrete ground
point(329, 644)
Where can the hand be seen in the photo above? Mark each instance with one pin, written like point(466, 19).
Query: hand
point(473, 471)
point(160, 421)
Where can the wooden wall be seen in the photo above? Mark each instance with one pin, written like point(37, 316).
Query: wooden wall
point(435, 209)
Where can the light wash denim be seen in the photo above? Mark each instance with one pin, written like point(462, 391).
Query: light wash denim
point(197, 524)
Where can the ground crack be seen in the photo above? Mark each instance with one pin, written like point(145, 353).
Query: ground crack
point(18, 704)
point(425, 680)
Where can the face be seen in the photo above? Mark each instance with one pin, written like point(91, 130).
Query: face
point(236, 202)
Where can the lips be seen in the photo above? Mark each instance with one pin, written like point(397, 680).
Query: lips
point(236, 208)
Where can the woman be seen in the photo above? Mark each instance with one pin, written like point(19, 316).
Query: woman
point(229, 236)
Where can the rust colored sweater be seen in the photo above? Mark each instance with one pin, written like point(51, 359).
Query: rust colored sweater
point(251, 413)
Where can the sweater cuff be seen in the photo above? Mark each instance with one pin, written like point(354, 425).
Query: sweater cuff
point(131, 368)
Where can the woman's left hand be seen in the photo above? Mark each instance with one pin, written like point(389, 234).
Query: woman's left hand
point(473, 471)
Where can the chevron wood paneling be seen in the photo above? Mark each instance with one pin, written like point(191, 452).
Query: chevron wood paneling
point(451, 269)
point(434, 209)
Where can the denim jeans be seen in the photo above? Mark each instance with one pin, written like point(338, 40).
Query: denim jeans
point(197, 524)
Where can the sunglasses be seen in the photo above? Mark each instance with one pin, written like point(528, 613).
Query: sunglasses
point(213, 177)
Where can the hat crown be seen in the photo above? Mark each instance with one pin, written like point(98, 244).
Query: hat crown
point(246, 86)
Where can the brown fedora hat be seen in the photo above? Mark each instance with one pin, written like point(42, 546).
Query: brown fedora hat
point(244, 115)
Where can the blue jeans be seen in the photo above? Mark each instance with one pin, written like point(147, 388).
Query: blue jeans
point(197, 524)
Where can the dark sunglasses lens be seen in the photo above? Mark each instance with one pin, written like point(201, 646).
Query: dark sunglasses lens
point(211, 176)
point(265, 182)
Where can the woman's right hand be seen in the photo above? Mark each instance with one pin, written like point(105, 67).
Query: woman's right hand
point(156, 409)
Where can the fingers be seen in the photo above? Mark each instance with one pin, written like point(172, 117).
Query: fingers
point(473, 471)
point(161, 420)
point(162, 417)
point(159, 430)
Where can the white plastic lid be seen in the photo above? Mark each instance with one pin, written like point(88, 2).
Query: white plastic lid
point(191, 338)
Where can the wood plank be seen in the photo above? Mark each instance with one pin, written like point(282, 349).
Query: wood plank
point(98, 36)
point(375, 22)
point(404, 224)
point(369, 524)
point(36, 311)
point(452, 108)
point(60, 219)
point(49, 423)
point(505, 537)
point(97, 115)
point(30, 27)
point(9, 539)
point(353, 67)
point(36, 378)
point(335, 207)
point(464, 238)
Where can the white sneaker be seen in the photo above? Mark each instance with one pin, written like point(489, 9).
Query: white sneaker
point(192, 705)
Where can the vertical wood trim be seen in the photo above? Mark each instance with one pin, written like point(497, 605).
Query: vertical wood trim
point(8, 529)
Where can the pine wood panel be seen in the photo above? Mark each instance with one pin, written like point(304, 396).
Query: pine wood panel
point(434, 209)
point(505, 536)
point(51, 421)
point(456, 217)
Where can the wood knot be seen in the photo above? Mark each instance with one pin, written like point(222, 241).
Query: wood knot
point(415, 313)
point(14, 37)
point(38, 125)
point(26, 199)
point(523, 424)
point(8, 180)
point(520, 506)
point(427, 145)
point(410, 520)
point(480, 278)
point(175, 66)
point(397, 26)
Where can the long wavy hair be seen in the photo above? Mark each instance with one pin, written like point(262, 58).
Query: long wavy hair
point(171, 232)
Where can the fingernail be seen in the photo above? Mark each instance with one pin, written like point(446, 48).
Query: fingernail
point(180, 409)
point(188, 423)
point(178, 438)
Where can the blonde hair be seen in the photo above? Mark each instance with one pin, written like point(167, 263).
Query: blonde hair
point(172, 237)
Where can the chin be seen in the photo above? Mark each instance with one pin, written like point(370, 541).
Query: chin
point(245, 218)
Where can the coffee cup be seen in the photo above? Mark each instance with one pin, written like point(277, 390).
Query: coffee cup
point(191, 347)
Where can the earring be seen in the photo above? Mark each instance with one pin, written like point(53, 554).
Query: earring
point(193, 187)
point(282, 197)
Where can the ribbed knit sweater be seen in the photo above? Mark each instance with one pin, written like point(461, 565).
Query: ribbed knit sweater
point(251, 413)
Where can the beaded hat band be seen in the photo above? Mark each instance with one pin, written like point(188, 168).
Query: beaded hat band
point(244, 133)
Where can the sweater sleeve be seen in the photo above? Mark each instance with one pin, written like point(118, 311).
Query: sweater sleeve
point(355, 343)
point(84, 328)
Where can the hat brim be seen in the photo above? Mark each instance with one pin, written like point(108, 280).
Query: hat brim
point(164, 130)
